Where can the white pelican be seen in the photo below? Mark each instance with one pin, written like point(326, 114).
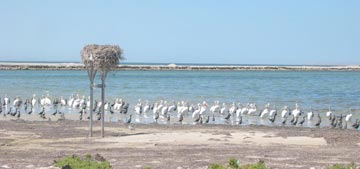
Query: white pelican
point(265, 111)
point(172, 107)
point(238, 111)
point(310, 114)
point(71, 101)
point(146, 108)
point(273, 112)
point(62, 101)
point(285, 112)
point(197, 111)
point(203, 108)
point(348, 117)
point(6, 100)
point(296, 112)
point(232, 109)
point(245, 109)
point(215, 107)
point(252, 109)
point(223, 109)
point(329, 113)
point(33, 100)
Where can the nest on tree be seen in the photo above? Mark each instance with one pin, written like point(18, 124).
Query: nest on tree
point(102, 57)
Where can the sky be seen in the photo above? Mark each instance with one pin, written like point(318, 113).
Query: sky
point(184, 31)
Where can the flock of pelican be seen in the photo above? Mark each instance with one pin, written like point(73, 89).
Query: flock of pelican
point(200, 113)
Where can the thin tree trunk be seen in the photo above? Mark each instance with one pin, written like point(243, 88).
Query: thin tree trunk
point(103, 76)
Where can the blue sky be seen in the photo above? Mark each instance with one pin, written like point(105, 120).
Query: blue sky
point(184, 31)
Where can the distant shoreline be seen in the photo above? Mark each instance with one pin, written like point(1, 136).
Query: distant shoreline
point(144, 67)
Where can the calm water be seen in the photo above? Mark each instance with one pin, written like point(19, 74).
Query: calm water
point(316, 89)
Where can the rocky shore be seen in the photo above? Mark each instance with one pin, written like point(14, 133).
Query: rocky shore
point(79, 66)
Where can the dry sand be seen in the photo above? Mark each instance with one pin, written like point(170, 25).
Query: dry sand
point(31, 144)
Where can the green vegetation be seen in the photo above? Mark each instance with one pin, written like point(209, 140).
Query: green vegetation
point(235, 164)
point(348, 166)
point(75, 162)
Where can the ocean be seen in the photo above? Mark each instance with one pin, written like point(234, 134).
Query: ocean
point(310, 89)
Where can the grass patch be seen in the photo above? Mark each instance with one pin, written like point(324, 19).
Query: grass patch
point(345, 166)
point(75, 162)
point(235, 164)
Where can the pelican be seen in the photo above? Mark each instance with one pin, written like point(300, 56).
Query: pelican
point(146, 108)
point(310, 114)
point(296, 112)
point(232, 109)
point(203, 108)
point(319, 121)
point(197, 111)
point(240, 120)
point(284, 112)
point(329, 113)
point(273, 111)
point(238, 111)
point(348, 117)
point(265, 111)
point(215, 108)
point(172, 108)
point(223, 109)
point(17, 102)
point(129, 120)
point(356, 124)
point(253, 109)
point(181, 118)
point(245, 109)
point(70, 101)
point(6, 100)
point(33, 100)
point(63, 101)
point(138, 108)
point(164, 109)
point(302, 121)
point(156, 116)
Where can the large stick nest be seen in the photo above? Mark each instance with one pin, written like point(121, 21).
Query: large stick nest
point(103, 57)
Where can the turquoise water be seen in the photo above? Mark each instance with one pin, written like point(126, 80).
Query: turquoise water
point(318, 89)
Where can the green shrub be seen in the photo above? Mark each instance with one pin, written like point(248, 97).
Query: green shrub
point(235, 164)
point(217, 166)
point(259, 165)
point(75, 162)
point(348, 166)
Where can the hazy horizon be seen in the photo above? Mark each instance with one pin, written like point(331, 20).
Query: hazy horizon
point(278, 32)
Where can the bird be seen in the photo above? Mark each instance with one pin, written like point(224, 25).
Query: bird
point(272, 119)
point(227, 117)
point(302, 121)
point(181, 118)
point(357, 124)
point(168, 119)
point(310, 114)
point(42, 111)
point(197, 119)
point(348, 117)
point(295, 121)
point(329, 113)
point(240, 120)
point(284, 112)
point(265, 111)
point(319, 121)
point(213, 117)
point(129, 120)
point(284, 120)
point(207, 120)
point(156, 116)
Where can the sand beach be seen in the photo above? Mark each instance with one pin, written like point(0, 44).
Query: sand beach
point(35, 144)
